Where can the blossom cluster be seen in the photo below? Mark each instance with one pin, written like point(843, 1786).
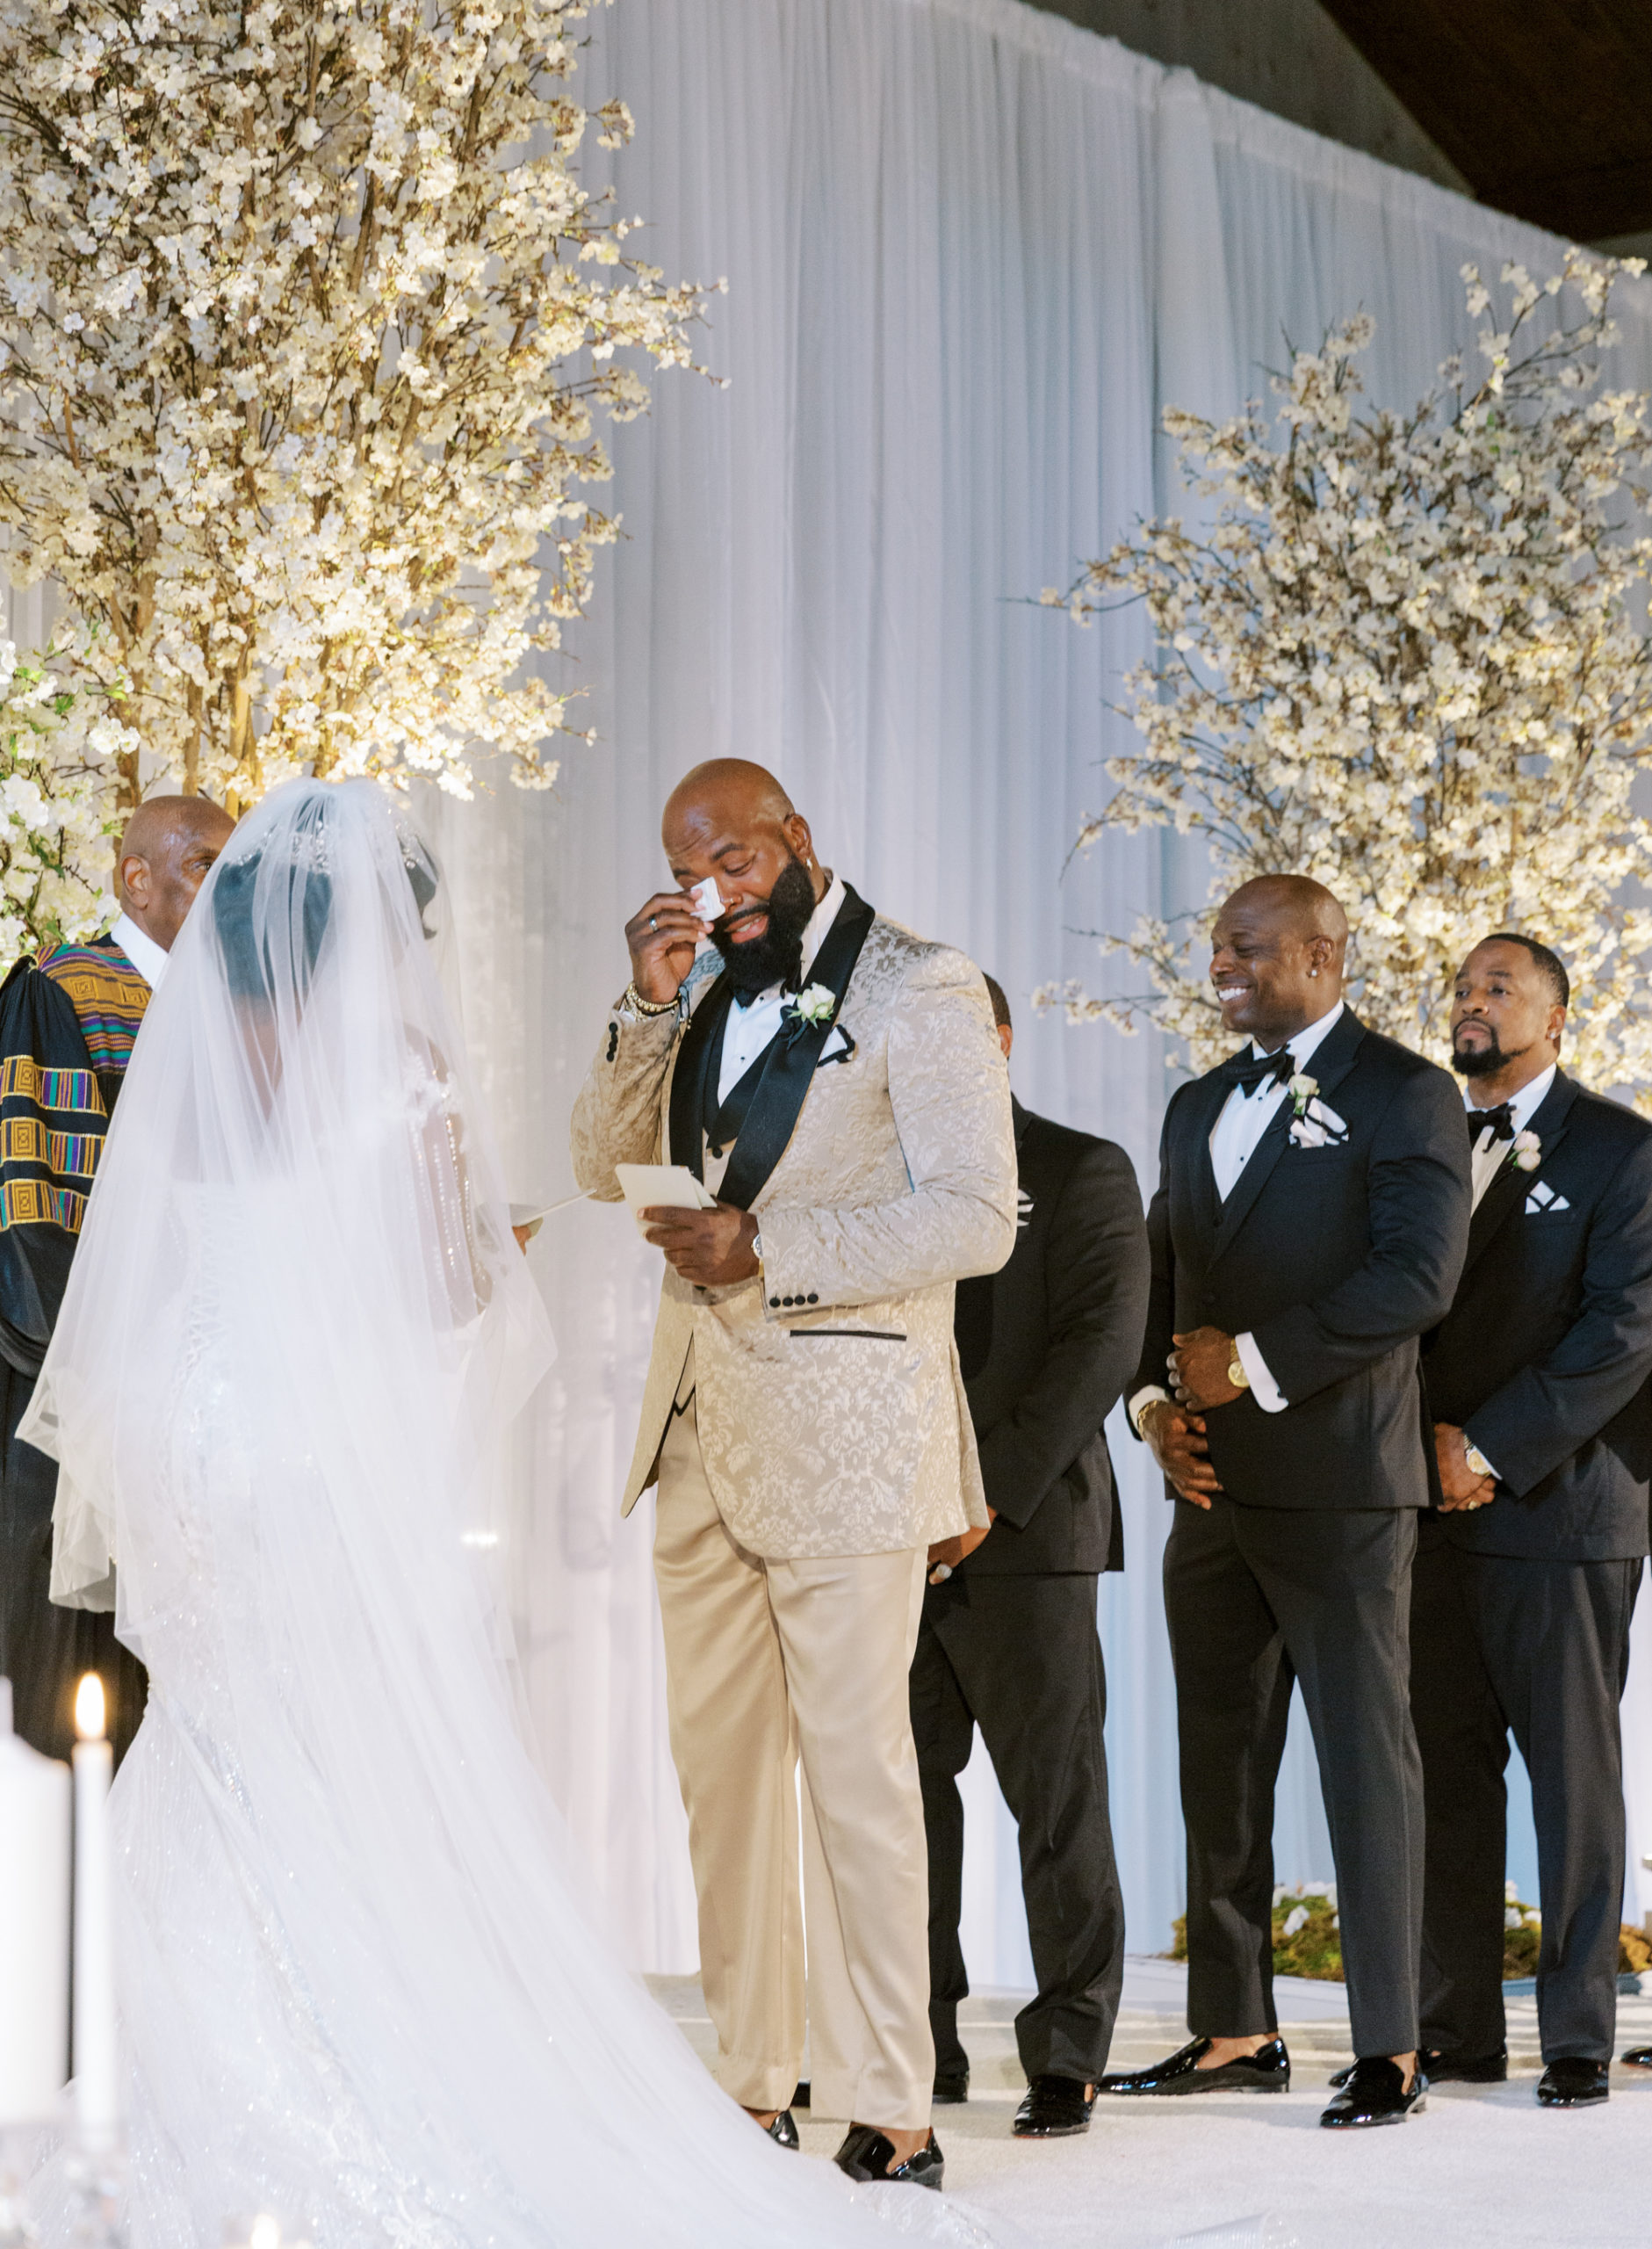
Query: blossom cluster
point(304, 322)
point(1401, 656)
point(63, 749)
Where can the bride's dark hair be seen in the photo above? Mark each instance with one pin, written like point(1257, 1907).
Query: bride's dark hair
point(245, 924)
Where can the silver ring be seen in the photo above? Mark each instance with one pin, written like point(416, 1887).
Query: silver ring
point(940, 1572)
point(652, 923)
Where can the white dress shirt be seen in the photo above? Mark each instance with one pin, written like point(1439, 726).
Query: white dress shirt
point(1491, 1155)
point(147, 957)
point(751, 1024)
point(1243, 1120)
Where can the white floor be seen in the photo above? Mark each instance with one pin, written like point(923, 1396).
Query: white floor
point(1482, 2165)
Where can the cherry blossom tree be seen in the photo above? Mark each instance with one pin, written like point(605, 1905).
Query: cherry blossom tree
point(305, 321)
point(62, 743)
point(1405, 658)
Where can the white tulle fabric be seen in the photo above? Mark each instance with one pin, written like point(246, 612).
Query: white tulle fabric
point(356, 1984)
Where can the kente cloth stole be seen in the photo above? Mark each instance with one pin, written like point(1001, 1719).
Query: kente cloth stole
point(108, 996)
point(761, 1116)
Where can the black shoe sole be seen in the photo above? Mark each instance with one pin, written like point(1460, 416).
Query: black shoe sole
point(1180, 2088)
point(1571, 2100)
point(1373, 2123)
point(1049, 2131)
point(948, 2100)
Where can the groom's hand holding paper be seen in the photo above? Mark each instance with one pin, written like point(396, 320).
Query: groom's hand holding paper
point(710, 1248)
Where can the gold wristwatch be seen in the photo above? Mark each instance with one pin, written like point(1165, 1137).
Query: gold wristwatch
point(1476, 1459)
point(1236, 1374)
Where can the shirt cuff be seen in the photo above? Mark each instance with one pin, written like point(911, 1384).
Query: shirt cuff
point(1263, 1389)
point(1149, 1392)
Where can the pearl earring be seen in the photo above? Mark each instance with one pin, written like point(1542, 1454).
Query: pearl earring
point(1313, 971)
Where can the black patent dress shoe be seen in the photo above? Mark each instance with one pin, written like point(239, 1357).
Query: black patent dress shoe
point(1266, 2071)
point(1375, 2093)
point(1054, 2108)
point(800, 2098)
point(1451, 2068)
point(784, 2130)
point(1572, 2084)
point(952, 2085)
point(866, 2151)
point(1638, 2057)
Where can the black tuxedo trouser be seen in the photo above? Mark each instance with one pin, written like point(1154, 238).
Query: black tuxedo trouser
point(1020, 1657)
point(1502, 1643)
point(1259, 1598)
point(44, 1649)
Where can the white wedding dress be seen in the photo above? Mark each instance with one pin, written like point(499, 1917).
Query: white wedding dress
point(358, 1990)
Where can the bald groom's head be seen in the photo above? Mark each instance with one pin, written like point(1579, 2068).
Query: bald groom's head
point(732, 820)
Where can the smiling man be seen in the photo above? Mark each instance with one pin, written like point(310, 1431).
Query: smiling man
point(837, 1084)
point(1308, 1227)
point(1526, 1579)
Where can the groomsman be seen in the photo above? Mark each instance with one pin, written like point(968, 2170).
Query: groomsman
point(1526, 1578)
point(1009, 1640)
point(1308, 1229)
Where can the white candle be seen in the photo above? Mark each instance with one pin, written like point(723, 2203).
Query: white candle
point(96, 2069)
point(34, 1813)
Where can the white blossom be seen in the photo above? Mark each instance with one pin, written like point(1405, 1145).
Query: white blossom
point(61, 752)
point(305, 321)
point(1403, 659)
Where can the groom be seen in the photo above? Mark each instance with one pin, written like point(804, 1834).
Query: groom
point(837, 1083)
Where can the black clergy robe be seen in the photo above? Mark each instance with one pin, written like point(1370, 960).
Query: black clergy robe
point(67, 1026)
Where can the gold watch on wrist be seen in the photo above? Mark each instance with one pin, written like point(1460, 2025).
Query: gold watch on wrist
point(1236, 1374)
point(1478, 1464)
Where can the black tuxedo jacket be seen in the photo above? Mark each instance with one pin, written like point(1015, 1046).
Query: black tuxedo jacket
point(1545, 1355)
point(1046, 1344)
point(1337, 1259)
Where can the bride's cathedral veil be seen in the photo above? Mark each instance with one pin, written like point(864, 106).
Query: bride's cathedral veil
point(358, 1987)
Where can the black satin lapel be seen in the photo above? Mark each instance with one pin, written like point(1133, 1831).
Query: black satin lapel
point(1512, 1185)
point(1256, 1173)
point(1507, 1190)
point(1328, 1065)
point(700, 1041)
point(777, 1103)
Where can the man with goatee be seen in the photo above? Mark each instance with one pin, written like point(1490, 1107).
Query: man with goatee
point(1308, 1229)
point(1526, 1579)
point(837, 1083)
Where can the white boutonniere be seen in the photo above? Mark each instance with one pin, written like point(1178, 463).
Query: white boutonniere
point(1525, 1151)
point(815, 1003)
point(1315, 1123)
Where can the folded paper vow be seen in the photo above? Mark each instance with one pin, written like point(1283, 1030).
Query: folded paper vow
point(660, 1187)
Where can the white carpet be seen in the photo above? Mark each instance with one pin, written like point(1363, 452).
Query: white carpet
point(1482, 2167)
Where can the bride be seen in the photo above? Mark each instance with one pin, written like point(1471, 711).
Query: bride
point(357, 1987)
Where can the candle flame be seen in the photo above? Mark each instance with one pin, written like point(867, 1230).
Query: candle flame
point(89, 1708)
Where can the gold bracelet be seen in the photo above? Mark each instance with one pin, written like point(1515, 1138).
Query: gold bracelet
point(635, 1001)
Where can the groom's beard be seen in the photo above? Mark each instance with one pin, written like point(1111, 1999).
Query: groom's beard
point(776, 957)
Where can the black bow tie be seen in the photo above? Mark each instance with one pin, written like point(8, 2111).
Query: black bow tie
point(1280, 1068)
point(1501, 1119)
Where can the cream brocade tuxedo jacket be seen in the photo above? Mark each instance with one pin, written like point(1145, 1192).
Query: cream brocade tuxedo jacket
point(831, 1409)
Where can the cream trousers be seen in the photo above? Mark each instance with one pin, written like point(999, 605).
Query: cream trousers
point(765, 1662)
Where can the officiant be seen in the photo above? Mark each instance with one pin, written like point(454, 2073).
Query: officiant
point(837, 1083)
point(68, 1020)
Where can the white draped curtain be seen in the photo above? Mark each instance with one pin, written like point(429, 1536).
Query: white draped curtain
point(971, 252)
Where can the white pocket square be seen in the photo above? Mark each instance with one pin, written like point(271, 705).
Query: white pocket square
point(1543, 1198)
point(1318, 1127)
